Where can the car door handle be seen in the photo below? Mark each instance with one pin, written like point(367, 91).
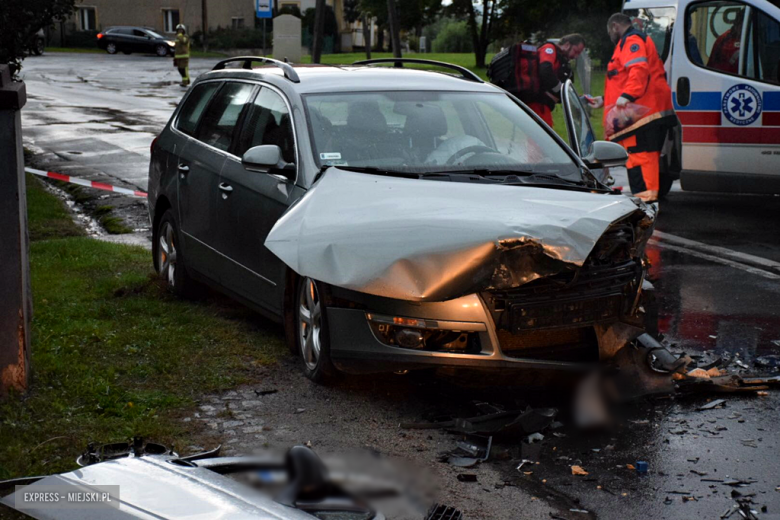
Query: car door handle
point(184, 169)
point(227, 188)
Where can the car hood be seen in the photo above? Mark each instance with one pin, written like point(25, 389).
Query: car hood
point(152, 487)
point(423, 240)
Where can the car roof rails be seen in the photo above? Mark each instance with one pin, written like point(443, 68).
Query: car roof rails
point(399, 63)
point(289, 71)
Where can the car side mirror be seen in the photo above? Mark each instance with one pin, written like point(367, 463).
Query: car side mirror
point(605, 154)
point(267, 158)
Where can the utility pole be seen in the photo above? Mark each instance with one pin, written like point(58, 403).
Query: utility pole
point(204, 14)
point(15, 292)
point(395, 29)
point(319, 28)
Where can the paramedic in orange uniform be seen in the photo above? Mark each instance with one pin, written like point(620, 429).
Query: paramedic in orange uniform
point(635, 74)
point(553, 71)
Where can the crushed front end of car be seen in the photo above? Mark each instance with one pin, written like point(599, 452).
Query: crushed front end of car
point(423, 273)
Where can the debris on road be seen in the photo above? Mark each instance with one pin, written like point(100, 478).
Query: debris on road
point(578, 470)
point(467, 477)
point(713, 404)
point(641, 467)
point(508, 425)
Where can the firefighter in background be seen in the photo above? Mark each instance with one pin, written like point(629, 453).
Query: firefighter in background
point(554, 69)
point(636, 79)
point(181, 54)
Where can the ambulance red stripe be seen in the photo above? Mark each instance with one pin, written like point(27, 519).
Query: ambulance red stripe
point(771, 119)
point(699, 118)
point(730, 135)
point(85, 182)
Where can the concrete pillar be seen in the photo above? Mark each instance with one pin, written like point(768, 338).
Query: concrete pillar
point(15, 291)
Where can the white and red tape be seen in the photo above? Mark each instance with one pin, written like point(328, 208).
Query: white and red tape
point(85, 182)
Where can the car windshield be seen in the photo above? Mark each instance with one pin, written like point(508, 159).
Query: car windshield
point(425, 132)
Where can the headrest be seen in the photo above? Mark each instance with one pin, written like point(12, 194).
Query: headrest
point(366, 116)
point(425, 119)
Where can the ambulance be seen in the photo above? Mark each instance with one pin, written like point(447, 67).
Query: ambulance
point(722, 60)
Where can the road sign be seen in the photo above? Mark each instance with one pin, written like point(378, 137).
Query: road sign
point(264, 8)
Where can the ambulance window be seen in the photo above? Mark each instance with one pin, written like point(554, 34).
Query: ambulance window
point(715, 35)
point(763, 54)
point(656, 23)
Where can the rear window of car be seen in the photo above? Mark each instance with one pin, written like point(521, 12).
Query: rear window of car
point(120, 30)
point(220, 119)
point(194, 105)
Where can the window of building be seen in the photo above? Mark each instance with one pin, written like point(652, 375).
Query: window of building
point(734, 38)
point(88, 18)
point(238, 23)
point(170, 20)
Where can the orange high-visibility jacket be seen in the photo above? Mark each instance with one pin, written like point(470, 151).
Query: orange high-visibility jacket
point(637, 73)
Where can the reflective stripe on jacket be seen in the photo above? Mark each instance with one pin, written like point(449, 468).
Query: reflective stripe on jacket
point(637, 73)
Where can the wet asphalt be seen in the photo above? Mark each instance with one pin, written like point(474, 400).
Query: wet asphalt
point(94, 115)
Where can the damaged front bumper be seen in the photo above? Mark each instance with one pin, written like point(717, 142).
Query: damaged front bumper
point(424, 273)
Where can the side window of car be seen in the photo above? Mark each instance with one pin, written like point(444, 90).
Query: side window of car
point(715, 35)
point(269, 122)
point(194, 105)
point(219, 121)
point(763, 55)
point(137, 32)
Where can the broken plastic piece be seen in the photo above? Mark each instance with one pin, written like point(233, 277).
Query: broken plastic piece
point(713, 404)
point(578, 470)
point(641, 467)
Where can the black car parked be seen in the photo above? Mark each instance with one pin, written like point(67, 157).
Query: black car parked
point(134, 39)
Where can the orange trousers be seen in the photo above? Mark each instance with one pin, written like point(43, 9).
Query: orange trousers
point(542, 111)
point(643, 168)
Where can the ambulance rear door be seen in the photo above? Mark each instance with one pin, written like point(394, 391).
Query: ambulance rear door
point(725, 79)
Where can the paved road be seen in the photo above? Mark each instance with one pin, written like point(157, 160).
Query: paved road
point(716, 265)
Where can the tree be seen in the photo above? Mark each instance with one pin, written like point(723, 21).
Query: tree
point(481, 23)
point(21, 19)
point(319, 27)
point(395, 28)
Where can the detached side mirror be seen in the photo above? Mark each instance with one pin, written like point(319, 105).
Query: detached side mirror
point(605, 154)
point(267, 158)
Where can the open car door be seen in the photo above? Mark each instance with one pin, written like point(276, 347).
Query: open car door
point(579, 129)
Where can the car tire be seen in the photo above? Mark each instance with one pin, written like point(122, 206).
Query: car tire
point(111, 48)
point(161, 51)
point(169, 260)
point(311, 332)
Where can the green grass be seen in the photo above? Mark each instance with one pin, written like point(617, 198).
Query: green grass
point(114, 354)
point(47, 216)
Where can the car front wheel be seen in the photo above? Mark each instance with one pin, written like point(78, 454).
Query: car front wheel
point(111, 48)
point(312, 332)
point(161, 50)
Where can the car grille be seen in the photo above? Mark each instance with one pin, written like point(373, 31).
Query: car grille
point(553, 317)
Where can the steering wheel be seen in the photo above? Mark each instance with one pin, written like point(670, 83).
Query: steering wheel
point(469, 149)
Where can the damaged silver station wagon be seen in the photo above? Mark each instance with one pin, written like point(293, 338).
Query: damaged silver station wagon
point(395, 218)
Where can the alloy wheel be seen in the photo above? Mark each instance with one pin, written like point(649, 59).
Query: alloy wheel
point(162, 51)
point(167, 254)
point(111, 48)
point(309, 323)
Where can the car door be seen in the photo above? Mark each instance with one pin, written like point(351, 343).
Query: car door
point(199, 166)
point(256, 200)
point(579, 130)
point(140, 41)
point(726, 85)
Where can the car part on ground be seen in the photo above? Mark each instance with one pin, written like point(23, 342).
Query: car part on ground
point(154, 480)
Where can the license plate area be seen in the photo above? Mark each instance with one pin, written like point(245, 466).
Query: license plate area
point(564, 314)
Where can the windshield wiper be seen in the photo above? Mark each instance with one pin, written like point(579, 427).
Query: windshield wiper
point(379, 171)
